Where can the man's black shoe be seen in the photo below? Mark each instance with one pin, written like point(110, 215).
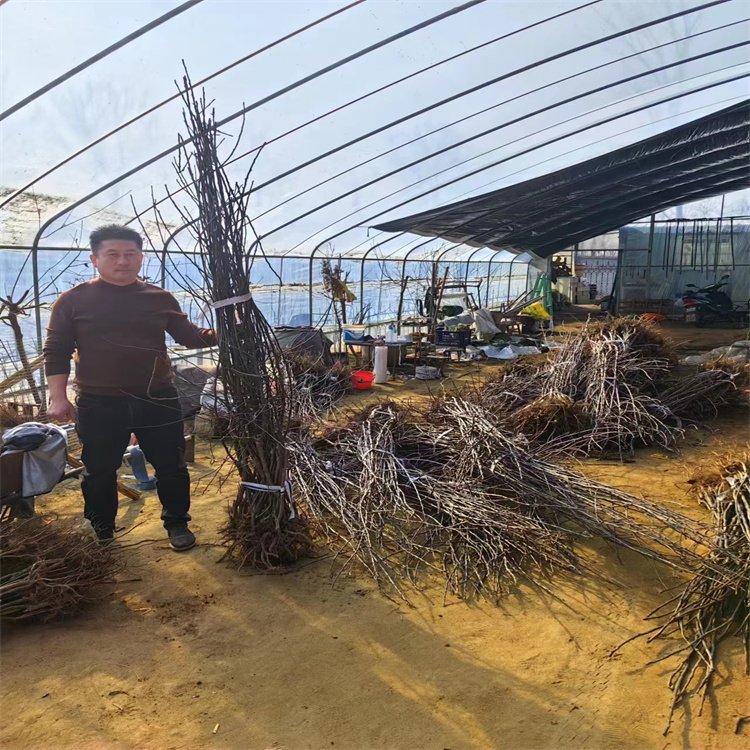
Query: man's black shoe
point(181, 538)
point(105, 536)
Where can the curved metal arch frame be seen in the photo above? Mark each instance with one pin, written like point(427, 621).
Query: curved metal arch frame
point(144, 165)
point(629, 130)
point(400, 120)
point(404, 261)
point(486, 236)
point(496, 128)
point(317, 247)
point(442, 255)
point(525, 151)
point(150, 26)
point(244, 110)
point(326, 69)
point(480, 235)
point(441, 102)
point(12, 196)
point(362, 268)
point(322, 71)
point(484, 110)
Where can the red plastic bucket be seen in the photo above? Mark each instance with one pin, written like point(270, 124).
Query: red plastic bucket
point(362, 379)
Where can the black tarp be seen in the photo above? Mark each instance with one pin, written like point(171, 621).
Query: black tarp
point(701, 159)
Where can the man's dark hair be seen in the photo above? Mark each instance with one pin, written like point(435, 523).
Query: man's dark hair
point(114, 232)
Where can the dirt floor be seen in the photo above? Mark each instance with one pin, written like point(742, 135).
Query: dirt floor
point(186, 652)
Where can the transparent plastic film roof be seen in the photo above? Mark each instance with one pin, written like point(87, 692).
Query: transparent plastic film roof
point(355, 115)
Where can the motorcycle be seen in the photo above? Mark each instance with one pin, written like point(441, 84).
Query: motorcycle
point(710, 305)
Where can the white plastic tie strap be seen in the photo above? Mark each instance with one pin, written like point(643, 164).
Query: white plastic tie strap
point(231, 301)
point(274, 489)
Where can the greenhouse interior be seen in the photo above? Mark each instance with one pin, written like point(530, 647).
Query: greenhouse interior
point(466, 296)
point(334, 174)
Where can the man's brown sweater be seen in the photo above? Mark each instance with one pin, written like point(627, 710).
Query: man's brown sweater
point(117, 333)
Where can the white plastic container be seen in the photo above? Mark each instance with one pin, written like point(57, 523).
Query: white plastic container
point(381, 364)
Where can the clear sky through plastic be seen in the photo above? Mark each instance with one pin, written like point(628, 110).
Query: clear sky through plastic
point(39, 40)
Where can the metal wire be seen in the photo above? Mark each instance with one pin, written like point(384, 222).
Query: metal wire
point(484, 110)
point(170, 194)
point(546, 143)
point(99, 56)
point(476, 237)
point(322, 71)
point(494, 129)
point(485, 84)
point(172, 98)
point(521, 153)
point(280, 92)
point(470, 90)
point(483, 236)
point(380, 89)
point(394, 254)
point(306, 79)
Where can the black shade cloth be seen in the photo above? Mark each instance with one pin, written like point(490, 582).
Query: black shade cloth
point(703, 158)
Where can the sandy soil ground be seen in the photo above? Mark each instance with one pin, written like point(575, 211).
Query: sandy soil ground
point(186, 652)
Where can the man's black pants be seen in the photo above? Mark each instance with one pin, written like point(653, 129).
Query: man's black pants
point(104, 426)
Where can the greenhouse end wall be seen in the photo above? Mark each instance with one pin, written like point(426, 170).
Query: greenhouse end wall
point(658, 259)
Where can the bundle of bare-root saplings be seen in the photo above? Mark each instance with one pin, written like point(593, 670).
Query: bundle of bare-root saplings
point(407, 492)
point(264, 531)
point(609, 389)
point(50, 568)
point(715, 604)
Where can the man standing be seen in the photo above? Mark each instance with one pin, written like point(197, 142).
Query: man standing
point(116, 326)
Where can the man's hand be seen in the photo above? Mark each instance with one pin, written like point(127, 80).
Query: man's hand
point(61, 410)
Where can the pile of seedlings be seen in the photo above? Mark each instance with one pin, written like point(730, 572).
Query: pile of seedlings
point(407, 493)
point(316, 386)
point(702, 394)
point(610, 389)
point(263, 530)
point(715, 603)
point(50, 568)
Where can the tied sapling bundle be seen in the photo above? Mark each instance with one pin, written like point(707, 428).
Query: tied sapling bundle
point(595, 394)
point(51, 568)
point(715, 604)
point(407, 491)
point(263, 529)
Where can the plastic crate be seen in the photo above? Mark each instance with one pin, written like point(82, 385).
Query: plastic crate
point(452, 338)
